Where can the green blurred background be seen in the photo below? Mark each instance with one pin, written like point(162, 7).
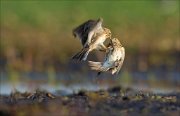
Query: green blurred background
point(36, 39)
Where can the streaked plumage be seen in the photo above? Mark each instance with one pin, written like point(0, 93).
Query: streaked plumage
point(92, 36)
point(113, 60)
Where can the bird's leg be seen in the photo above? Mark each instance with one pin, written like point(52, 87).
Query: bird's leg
point(103, 48)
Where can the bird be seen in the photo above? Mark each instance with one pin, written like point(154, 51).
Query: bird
point(92, 36)
point(113, 60)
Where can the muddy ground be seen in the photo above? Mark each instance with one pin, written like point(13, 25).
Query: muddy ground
point(111, 102)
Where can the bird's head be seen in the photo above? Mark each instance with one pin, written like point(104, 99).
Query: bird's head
point(107, 32)
point(115, 42)
point(100, 19)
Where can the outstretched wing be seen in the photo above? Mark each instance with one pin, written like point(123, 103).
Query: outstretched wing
point(86, 30)
point(120, 62)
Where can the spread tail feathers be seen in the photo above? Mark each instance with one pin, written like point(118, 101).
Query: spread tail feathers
point(82, 55)
point(98, 66)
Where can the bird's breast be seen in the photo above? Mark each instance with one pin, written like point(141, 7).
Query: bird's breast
point(100, 40)
point(115, 55)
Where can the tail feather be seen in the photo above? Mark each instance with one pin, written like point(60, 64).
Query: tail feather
point(113, 71)
point(85, 55)
point(82, 55)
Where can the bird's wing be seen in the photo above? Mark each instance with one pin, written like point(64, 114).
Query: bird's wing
point(99, 66)
point(120, 62)
point(86, 30)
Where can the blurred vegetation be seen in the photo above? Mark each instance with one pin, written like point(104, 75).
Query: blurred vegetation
point(38, 34)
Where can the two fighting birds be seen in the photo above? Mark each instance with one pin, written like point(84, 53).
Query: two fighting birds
point(92, 36)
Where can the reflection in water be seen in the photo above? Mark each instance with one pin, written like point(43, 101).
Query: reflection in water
point(7, 88)
point(69, 83)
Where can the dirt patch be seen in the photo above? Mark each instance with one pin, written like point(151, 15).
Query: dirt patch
point(114, 101)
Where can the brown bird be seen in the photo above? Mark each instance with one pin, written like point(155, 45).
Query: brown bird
point(113, 60)
point(92, 36)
